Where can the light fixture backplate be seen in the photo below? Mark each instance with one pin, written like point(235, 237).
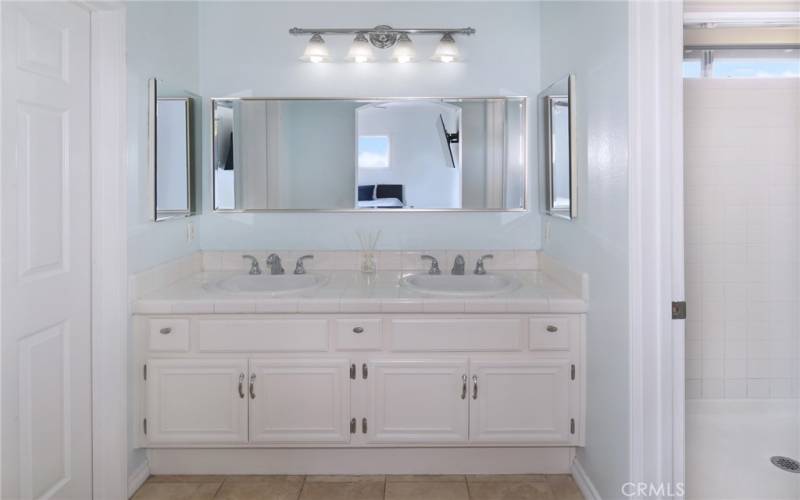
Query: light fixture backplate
point(381, 39)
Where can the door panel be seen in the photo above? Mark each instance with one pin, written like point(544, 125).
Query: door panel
point(46, 248)
point(417, 401)
point(520, 401)
point(300, 401)
point(196, 401)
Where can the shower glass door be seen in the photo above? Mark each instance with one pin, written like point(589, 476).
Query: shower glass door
point(742, 230)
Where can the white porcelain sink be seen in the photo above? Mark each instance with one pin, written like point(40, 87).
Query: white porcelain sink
point(271, 284)
point(468, 285)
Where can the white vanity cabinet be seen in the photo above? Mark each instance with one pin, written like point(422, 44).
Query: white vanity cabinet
point(196, 401)
point(371, 380)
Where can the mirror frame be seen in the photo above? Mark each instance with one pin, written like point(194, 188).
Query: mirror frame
point(546, 147)
point(368, 100)
point(157, 215)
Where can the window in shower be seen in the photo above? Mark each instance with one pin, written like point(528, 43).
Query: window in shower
point(741, 63)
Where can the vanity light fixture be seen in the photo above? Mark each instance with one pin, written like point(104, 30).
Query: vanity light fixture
point(447, 50)
point(360, 51)
point(382, 37)
point(404, 50)
point(316, 50)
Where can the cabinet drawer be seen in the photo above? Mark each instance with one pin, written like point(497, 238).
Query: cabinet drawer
point(358, 334)
point(457, 335)
point(169, 334)
point(550, 334)
point(256, 335)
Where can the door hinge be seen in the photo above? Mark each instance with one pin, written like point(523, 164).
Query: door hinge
point(144, 424)
point(364, 425)
point(572, 426)
point(679, 310)
point(145, 372)
point(364, 371)
point(353, 371)
point(572, 372)
point(352, 426)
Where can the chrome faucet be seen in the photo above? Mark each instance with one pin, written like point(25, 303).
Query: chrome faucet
point(299, 268)
point(458, 266)
point(274, 264)
point(479, 269)
point(434, 264)
point(254, 267)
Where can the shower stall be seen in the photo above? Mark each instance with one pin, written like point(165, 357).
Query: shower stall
point(742, 235)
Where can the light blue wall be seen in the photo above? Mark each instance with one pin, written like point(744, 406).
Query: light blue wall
point(248, 51)
point(162, 43)
point(590, 39)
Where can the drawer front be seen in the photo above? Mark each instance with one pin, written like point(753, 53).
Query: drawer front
point(358, 334)
point(254, 335)
point(457, 335)
point(169, 335)
point(550, 334)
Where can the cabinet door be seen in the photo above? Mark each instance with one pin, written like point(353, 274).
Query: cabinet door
point(299, 401)
point(196, 401)
point(417, 401)
point(520, 401)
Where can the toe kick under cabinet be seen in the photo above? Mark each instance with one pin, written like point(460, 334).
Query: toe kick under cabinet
point(360, 380)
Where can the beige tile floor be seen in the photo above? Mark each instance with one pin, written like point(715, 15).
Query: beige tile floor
point(503, 487)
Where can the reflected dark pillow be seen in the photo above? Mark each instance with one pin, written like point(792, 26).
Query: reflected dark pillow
point(366, 193)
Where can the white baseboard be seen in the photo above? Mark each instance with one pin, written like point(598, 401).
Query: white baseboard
point(555, 460)
point(583, 482)
point(138, 477)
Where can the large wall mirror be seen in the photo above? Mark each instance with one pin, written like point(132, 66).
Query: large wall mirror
point(557, 148)
point(172, 150)
point(369, 154)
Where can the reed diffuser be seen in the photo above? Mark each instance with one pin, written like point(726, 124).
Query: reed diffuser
point(369, 241)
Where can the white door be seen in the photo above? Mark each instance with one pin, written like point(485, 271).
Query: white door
point(417, 401)
point(196, 401)
point(520, 401)
point(300, 401)
point(46, 243)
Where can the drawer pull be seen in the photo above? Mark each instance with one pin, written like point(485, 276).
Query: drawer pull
point(165, 331)
point(358, 329)
point(552, 328)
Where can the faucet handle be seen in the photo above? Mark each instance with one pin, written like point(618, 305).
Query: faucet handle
point(254, 267)
point(299, 268)
point(479, 269)
point(434, 264)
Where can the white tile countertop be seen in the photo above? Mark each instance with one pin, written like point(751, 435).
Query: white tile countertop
point(349, 291)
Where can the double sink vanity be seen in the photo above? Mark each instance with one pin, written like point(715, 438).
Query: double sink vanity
point(321, 355)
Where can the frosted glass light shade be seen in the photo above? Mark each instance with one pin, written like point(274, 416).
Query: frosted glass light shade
point(447, 50)
point(360, 51)
point(316, 50)
point(404, 49)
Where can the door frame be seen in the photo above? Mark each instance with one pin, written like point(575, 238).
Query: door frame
point(656, 244)
point(109, 250)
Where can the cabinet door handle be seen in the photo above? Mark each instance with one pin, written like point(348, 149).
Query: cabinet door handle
point(241, 385)
point(165, 331)
point(358, 329)
point(474, 387)
point(552, 328)
point(464, 386)
point(252, 386)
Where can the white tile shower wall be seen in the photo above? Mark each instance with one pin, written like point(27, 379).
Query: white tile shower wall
point(742, 143)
